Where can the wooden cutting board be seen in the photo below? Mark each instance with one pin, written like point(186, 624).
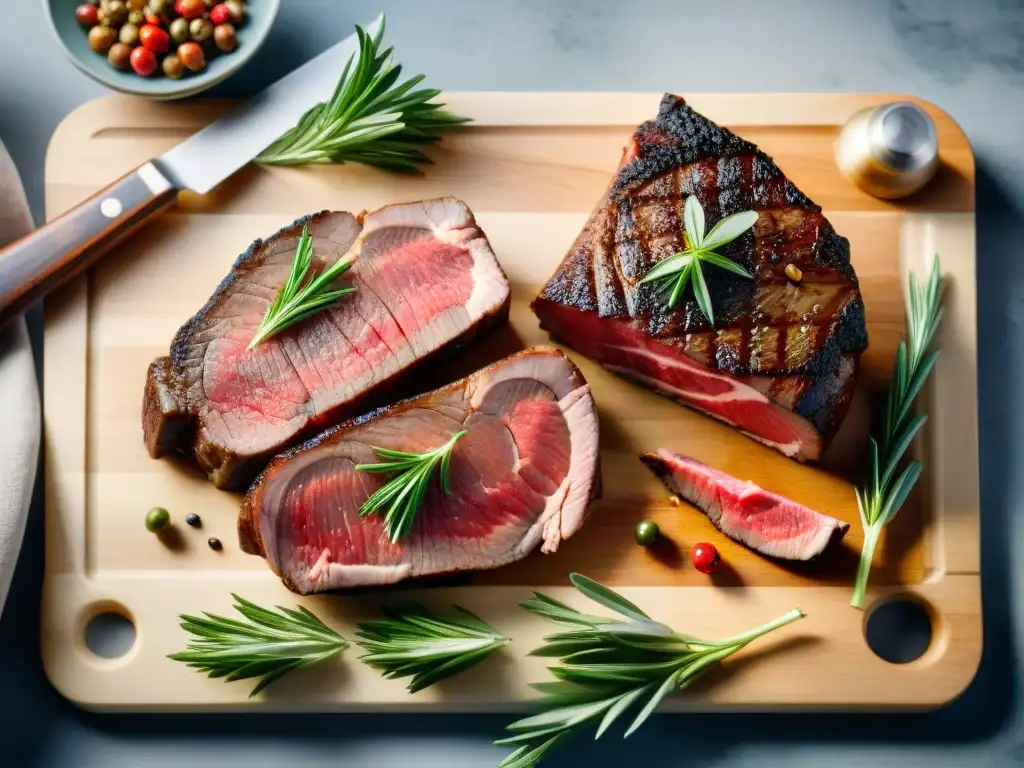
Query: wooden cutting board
point(531, 168)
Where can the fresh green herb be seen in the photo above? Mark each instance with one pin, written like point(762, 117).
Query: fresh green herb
point(268, 645)
point(609, 666)
point(371, 118)
point(675, 272)
point(646, 533)
point(157, 519)
point(299, 298)
point(427, 646)
point(404, 493)
point(883, 493)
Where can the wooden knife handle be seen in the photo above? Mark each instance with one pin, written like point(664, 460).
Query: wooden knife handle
point(48, 257)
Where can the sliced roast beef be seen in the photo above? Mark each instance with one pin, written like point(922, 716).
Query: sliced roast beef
point(521, 476)
point(426, 281)
point(780, 360)
point(764, 521)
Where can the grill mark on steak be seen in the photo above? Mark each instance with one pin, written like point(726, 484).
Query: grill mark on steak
point(232, 408)
point(803, 340)
point(522, 476)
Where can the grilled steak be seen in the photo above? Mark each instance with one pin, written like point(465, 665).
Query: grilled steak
point(522, 475)
point(426, 281)
point(781, 359)
point(764, 521)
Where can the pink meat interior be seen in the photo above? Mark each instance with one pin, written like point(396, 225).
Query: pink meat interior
point(758, 405)
point(514, 456)
point(387, 323)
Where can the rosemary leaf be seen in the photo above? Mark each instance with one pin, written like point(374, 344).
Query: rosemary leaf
point(884, 491)
point(680, 270)
point(268, 645)
point(301, 298)
point(371, 117)
point(427, 646)
point(404, 493)
point(609, 666)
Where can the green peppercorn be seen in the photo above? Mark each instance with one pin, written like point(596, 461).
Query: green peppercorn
point(101, 38)
point(157, 519)
point(646, 532)
point(160, 7)
point(129, 34)
point(237, 11)
point(225, 38)
point(136, 5)
point(179, 30)
point(115, 13)
point(119, 55)
point(174, 69)
point(137, 17)
point(200, 30)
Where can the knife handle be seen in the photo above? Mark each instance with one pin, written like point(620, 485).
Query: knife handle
point(61, 249)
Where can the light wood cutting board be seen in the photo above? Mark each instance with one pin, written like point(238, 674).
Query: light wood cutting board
point(531, 167)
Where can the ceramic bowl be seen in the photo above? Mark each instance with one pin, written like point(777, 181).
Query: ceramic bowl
point(73, 39)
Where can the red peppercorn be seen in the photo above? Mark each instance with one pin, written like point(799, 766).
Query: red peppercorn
point(155, 20)
point(143, 61)
point(220, 14)
point(88, 15)
point(177, 7)
point(190, 9)
point(192, 56)
point(154, 38)
point(705, 557)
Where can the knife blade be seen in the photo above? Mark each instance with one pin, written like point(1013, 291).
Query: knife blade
point(45, 259)
point(214, 153)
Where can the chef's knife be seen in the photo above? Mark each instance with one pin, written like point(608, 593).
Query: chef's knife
point(41, 261)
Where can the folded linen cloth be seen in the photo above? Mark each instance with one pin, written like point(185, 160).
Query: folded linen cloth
point(19, 394)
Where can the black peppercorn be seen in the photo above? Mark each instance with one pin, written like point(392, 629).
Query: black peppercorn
point(193, 519)
point(215, 544)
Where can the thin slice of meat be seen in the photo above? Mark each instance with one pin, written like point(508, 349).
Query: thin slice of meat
point(764, 521)
point(781, 359)
point(523, 475)
point(427, 283)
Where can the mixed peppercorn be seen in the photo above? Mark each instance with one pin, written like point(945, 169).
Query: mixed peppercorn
point(174, 36)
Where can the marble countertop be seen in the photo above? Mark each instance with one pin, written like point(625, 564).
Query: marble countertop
point(966, 57)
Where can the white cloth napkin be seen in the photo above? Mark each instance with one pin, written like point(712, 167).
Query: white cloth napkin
point(19, 394)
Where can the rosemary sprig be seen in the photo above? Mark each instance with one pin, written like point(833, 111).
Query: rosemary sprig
point(883, 492)
point(299, 298)
point(425, 645)
point(610, 666)
point(268, 645)
point(404, 493)
point(685, 268)
point(371, 118)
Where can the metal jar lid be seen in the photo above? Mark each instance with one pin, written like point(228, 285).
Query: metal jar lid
point(902, 136)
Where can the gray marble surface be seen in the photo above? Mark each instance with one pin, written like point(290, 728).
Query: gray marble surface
point(967, 57)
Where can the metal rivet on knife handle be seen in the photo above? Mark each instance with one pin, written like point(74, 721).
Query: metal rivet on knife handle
point(42, 260)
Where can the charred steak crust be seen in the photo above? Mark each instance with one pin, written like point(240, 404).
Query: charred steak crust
point(174, 398)
point(808, 339)
point(523, 476)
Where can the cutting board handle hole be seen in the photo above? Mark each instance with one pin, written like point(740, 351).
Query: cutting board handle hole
point(109, 632)
point(899, 629)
